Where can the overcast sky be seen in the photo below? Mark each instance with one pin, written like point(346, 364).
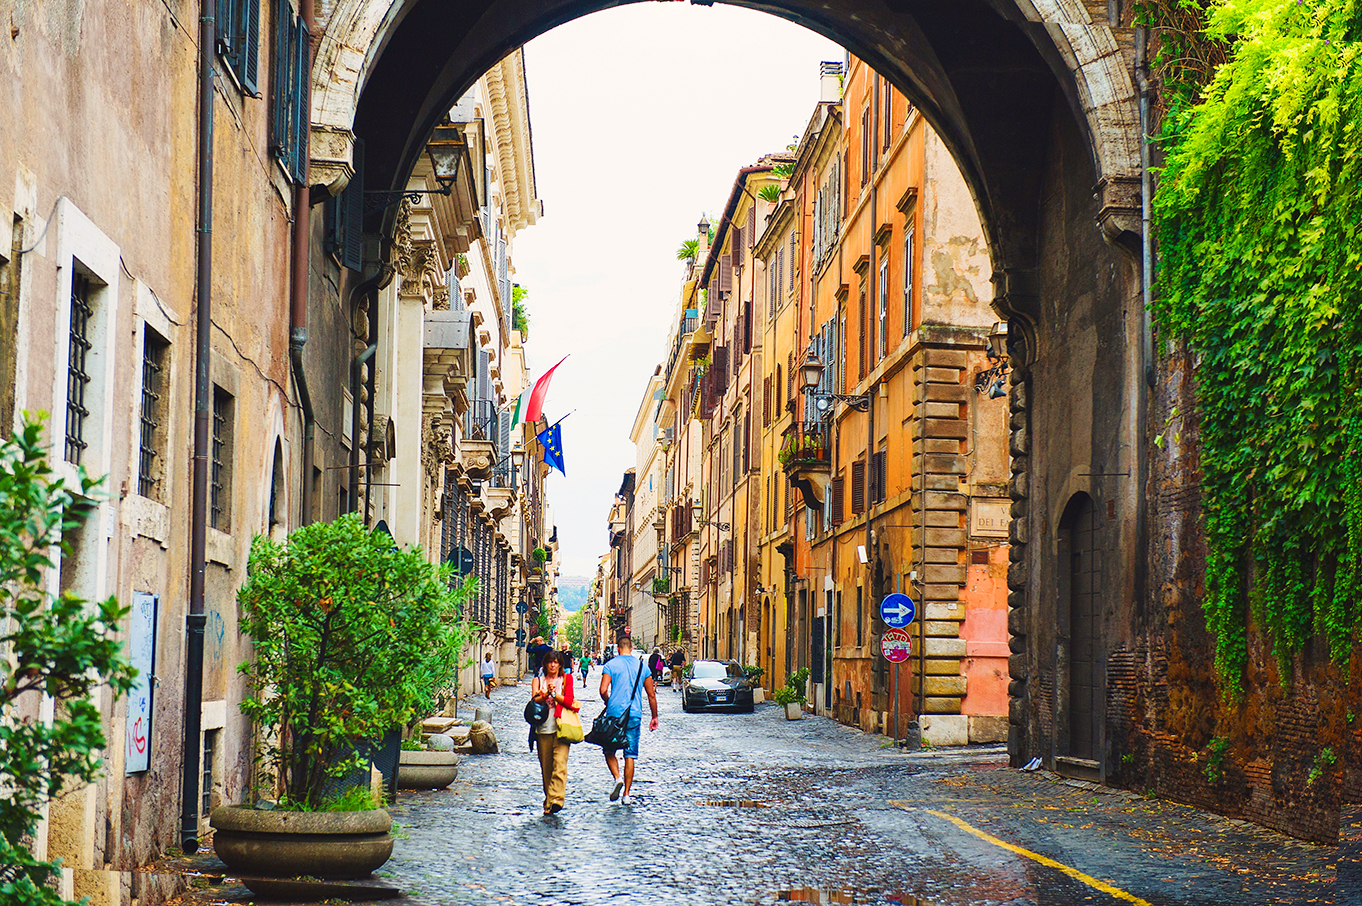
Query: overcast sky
point(642, 116)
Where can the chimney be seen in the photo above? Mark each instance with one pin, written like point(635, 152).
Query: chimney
point(830, 81)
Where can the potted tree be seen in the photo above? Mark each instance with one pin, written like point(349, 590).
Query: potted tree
point(791, 695)
point(754, 674)
point(343, 626)
point(423, 767)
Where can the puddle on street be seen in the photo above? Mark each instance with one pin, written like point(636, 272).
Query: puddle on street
point(827, 896)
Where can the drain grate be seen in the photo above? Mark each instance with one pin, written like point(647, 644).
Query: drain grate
point(735, 803)
point(826, 896)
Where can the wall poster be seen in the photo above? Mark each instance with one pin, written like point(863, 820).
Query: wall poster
point(142, 653)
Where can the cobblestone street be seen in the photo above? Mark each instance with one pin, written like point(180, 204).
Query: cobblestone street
point(738, 808)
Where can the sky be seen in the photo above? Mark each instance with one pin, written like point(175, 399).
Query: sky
point(641, 117)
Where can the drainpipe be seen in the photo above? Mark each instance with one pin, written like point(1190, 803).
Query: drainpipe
point(302, 229)
point(370, 285)
point(198, 518)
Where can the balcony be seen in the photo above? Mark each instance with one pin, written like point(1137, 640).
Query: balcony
point(805, 456)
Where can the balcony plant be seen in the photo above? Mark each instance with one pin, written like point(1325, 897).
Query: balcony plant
point(801, 449)
point(791, 696)
point(352, 637)
point(662, 586)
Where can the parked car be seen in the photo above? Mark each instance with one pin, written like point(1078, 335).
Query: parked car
point(717, 686)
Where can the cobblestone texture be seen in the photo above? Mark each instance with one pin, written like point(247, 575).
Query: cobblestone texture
point(735, 808)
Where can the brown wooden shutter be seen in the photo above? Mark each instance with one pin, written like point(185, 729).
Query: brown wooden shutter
point(837, 500)
point(751, 233)
point(735, 248)
point(719, 368)
point(747, 326)
point(881, 479)
point(858, 487)
point(747, 441)
point(725, 273)
point(775, 393)
point(766, 400)
point(789, 379)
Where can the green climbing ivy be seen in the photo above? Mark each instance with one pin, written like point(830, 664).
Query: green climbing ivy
point(1257, 217)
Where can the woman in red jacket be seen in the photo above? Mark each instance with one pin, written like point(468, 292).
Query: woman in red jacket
point(554, 688)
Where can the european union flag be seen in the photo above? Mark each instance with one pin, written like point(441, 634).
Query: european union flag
point(551, 438)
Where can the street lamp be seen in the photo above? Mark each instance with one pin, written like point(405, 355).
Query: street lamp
point(991, 379)
point(721, 526)
point(811, 375)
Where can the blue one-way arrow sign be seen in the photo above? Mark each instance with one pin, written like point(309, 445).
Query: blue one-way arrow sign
point(897, 610)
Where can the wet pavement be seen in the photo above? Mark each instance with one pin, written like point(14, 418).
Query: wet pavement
point(755, 809)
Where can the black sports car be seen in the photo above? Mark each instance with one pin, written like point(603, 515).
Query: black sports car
point(717, 686)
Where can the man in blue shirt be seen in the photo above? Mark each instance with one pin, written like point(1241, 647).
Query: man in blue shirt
point(624, 679)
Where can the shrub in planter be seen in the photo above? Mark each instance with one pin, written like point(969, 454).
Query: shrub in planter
point(352, 638)
point(792, 693)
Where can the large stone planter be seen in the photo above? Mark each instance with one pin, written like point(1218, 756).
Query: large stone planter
point(427, 770)
point(257, 843)
point(794, 711)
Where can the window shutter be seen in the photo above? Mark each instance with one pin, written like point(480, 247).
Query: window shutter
point(725, 274)
point(249, 52)
point(736, 249)
point(837, 500)
point(228, 39)
point(281, 78)
point(720, 367)
point(775, 393)
point(881, 477)
point(302, 55)
point(747, 326)
point(766, 401)
point(858, 487)
point(747, 441)
point(751, 232)
point(352, 255)
point(789, 378)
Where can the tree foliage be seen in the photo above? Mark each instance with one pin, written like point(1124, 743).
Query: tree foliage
point(572, 631)
point(1257, 216)
point(352, 637)
point(55, 645)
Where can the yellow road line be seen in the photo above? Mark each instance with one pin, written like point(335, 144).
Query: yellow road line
point(1074, 873)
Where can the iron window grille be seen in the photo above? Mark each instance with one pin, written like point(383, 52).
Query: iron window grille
point(219, 492)
point(149, 446)
point(77, 368)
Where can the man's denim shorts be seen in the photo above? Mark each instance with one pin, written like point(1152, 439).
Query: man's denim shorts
point(631, 735)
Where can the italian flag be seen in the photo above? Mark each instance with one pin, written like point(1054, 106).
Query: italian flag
point(531, 403)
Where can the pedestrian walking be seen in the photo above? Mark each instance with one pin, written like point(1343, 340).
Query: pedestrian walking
point(554, 688)
point(536, 651)
point(623, 683)
point(655, 664)
point(585, 664)
point(678, 667)
point(489, 675)
point(565, 657)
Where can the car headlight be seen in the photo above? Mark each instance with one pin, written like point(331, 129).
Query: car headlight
point(694, 690)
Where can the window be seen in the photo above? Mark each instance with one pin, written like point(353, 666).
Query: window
point(239, 40)
point(884, 305)
point(866, 142)
point(837, 626)
point(152, 444)
point(220, 463)
point(289, 117)
point(863, 345)
point(878, 476)
point(860, 616)
point(887, 118)
point(9, 320)
point(77, 368)
point(277, 502)
point(345, 215)
point(908, 267)
point(858, 487)
point(210, 748)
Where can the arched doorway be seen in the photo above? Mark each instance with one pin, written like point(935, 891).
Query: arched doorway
point(1079, 661)
point(1034, 99)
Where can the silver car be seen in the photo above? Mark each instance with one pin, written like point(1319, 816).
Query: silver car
point(717, 686)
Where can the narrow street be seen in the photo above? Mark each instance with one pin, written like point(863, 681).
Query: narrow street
point(737, 808)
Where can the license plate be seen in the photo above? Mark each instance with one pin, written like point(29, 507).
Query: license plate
point(721, 698)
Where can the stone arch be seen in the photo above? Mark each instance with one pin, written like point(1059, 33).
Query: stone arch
point(975, 68)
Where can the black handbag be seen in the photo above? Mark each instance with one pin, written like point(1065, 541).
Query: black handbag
point(536, 712)
point(612, 733)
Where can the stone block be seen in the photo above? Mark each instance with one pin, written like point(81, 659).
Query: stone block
point(1016, 599)
point(1020, 442)
point(439, 742)
point(944, 611)
point(1016, 421)
point(1016, 553)
point(940, 445)
point(934, 409)
point(944, 537)
point(1016, 486)
point(945, 358)
point(949, 555)
point(1016, 576)
point(947, 393)
point(934, 482)
point(985, 728)
point(939, 573)
point(943, 519)
point(944, 729)
point(957, 428)
point(946, 685)
point(1018, 398)
point(1016, 666)
point(1016, 688)
point(940, 463)
point(942, 629)
point(1016, 712)
point(941, 593)
point(483, 738)
point(946, 500)
point(1017, 644)
point(945, 648)
point(1018, 621)
point(940, 666)
point(1017, 531)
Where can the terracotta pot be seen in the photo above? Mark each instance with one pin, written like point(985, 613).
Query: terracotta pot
point(426, 770)
point(794, 711)
point(282, 844)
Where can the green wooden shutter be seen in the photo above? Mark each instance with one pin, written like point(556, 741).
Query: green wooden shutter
point(352, 255)
point(249, 49)
point(281, 78)
point(302, 52)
